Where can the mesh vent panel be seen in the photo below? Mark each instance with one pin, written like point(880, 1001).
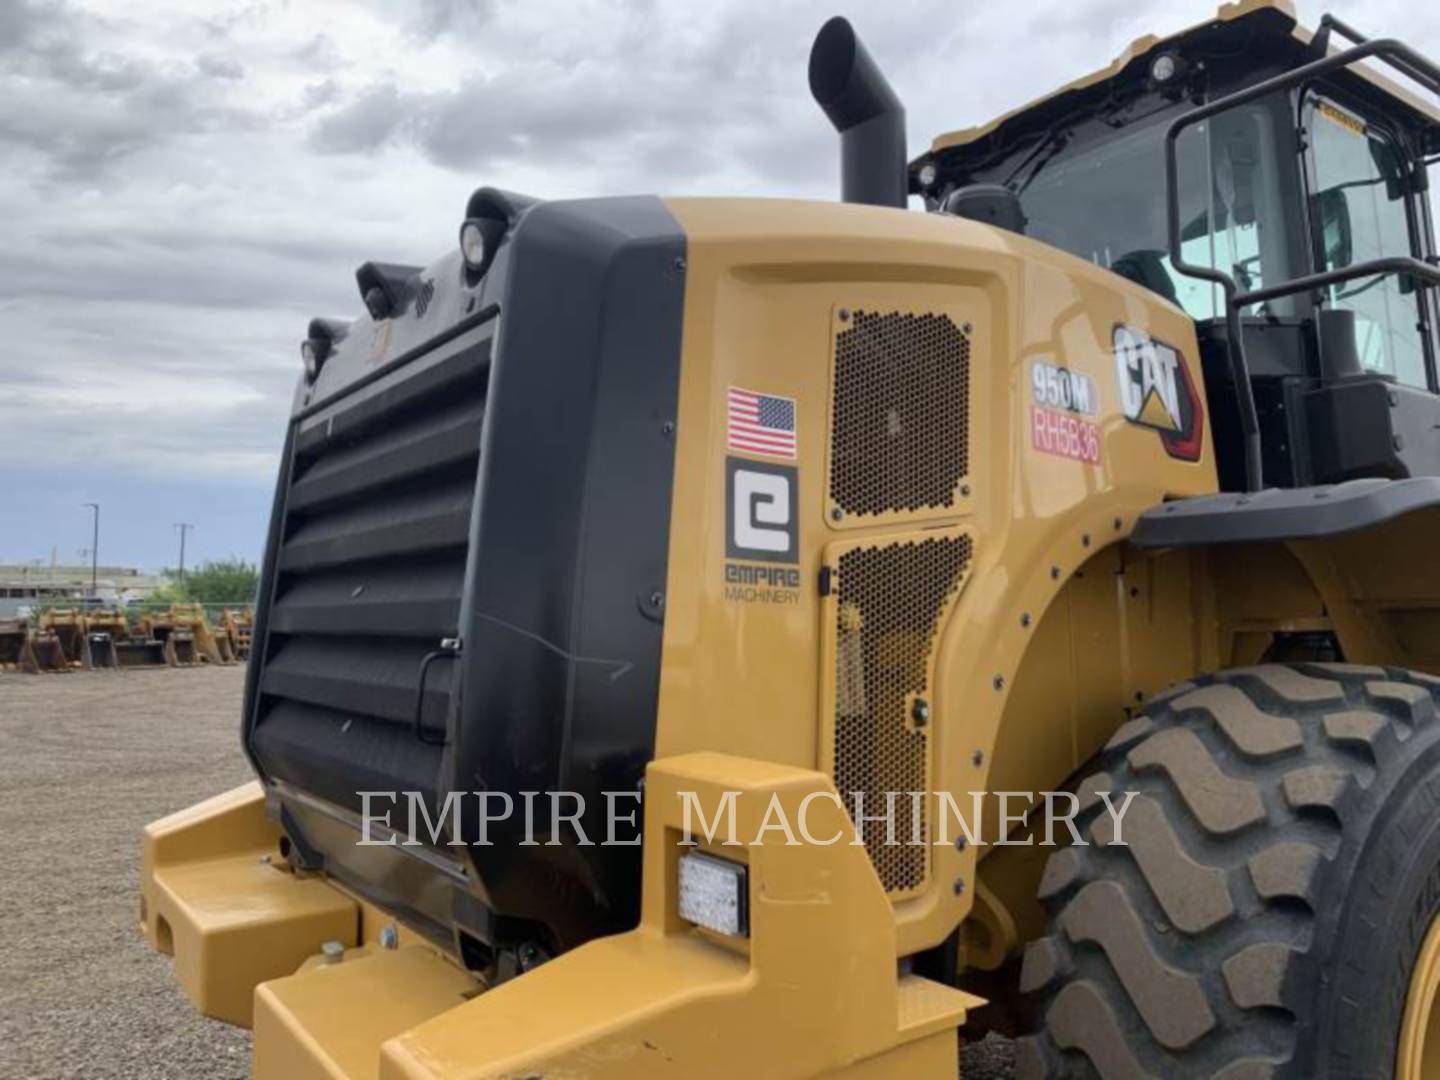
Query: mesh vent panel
point(901, 438)
point(887, 622)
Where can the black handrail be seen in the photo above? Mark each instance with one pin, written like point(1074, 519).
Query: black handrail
point(1328, 23)
point(1401, 57)
point(1394, 264)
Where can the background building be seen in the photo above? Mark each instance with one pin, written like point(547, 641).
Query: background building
point(24, 586)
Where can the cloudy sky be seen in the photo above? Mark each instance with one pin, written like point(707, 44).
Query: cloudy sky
point(183, 184)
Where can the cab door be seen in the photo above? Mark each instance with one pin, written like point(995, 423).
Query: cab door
point(1362, 207)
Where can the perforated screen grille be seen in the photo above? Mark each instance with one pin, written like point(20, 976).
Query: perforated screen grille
point(900, 438)
point(890, 601)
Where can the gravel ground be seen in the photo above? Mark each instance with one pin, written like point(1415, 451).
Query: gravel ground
point(990, 1058)
point(86, 759)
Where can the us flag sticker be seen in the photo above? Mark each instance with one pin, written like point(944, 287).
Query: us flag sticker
point(761, 423)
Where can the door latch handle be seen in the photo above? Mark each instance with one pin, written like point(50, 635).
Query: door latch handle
point(450, 649)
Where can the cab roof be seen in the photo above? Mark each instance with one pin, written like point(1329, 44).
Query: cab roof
point(1274, 28)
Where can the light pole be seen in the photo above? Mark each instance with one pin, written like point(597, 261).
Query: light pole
point(184, 528)
point(94, 549)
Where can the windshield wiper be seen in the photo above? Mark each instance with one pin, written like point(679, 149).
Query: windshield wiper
point(1042, 155)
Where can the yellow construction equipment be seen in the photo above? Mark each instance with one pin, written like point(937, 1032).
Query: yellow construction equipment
point(238, 625)
point(130, 640)
point(107, 631)
point(67, 626)
point(177, 647)
point(44, 648)
point(174, 630)
point(212, 648)
point(703, 638)
point(72, 639)
point(16, 651)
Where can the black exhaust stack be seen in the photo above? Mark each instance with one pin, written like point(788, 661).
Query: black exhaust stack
point(848, 85)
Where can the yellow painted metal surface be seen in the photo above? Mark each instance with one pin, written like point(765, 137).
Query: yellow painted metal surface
point(1385, 609)
point(765, 280)
point(215, 896)
point(930, 1056)
point(328, 1020)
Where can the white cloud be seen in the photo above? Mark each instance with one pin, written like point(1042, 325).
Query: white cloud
point(186, 183)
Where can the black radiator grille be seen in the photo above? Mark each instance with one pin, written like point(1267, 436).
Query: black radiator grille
point(368, 580)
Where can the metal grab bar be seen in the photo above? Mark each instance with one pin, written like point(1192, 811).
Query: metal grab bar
point(1401, 57)
point(1329, 23)
point(449, 650)
point(1403, 265)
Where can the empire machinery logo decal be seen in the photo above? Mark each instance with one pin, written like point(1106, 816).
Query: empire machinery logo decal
point(762, 535)
point(1157, 392)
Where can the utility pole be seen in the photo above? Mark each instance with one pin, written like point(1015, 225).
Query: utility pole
point(94, 549)
point(184, 528)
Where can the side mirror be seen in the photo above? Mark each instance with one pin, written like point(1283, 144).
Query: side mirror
point(994, 204)
point(1335, 228)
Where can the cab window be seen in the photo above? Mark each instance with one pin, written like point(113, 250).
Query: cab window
point(1233, 215)
point(1106, 203)
point(1358, 210)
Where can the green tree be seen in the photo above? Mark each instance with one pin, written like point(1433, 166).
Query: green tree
point(222, 581)
point(166, 595)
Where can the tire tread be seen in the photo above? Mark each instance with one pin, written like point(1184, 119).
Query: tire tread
point(1188, 950)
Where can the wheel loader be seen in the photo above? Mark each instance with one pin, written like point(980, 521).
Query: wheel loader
point(1089, 460)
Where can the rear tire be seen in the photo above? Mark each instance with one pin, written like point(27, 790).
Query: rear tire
point(1280, 869)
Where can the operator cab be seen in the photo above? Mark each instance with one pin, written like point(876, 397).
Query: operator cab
point(1295, 175)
